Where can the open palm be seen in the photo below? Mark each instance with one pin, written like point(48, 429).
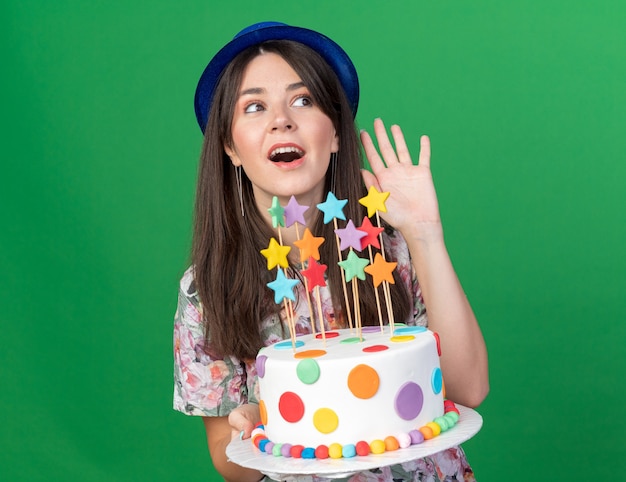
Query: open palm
point(412, 198)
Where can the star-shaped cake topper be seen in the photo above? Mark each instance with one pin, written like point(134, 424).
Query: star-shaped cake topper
point(294, 212)
point(283, 287)
point(277, 212)
point(350, 236)
point(276, 254)
point(353, 266)
point(371, 234)
point(309, 245)
point(315, 274)
point(332, 208)
point(374, 201)
point(381, 270)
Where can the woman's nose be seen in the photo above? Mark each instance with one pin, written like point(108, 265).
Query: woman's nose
point(281, 121)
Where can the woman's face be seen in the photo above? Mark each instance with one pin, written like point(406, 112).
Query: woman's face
point(280, 138)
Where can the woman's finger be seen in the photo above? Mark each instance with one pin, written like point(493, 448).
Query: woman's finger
point(375, 162)
point(424, 159)
point(404, 156)
point(384, 144)
point(370, 179)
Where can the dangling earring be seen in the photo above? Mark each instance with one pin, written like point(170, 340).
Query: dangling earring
point(238, 177)
point(333, 170)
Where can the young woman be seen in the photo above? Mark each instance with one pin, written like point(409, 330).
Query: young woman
point(277, 107)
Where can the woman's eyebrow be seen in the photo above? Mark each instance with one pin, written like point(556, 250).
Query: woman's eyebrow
point(261, 90)
point(295, 86)
point(252, 90)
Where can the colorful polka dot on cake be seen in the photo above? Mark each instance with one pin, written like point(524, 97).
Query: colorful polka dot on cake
point(308, 371)
point(375, 348)
point(287, 345)
point(291, 407)
point(409, 400)
point(325, 420)
point(260, 365)
point(437, 380)
point(310, 354)
point(363, 381)
point(263, 412)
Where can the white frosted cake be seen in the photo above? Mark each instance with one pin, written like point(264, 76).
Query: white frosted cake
point(351, 394)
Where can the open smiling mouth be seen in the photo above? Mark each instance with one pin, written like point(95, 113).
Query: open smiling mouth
point(285, 154)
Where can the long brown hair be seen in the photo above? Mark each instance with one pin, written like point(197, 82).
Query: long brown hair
point(230, 273)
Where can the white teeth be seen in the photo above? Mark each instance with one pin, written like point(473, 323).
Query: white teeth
point(282, 150)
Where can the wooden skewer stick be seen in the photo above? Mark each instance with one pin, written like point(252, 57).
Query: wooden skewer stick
point(380, 314)
point(386, 291)
point(343, 276)
point(320, 313)
point(357, 308)
point(306, 288)
point(288, 303)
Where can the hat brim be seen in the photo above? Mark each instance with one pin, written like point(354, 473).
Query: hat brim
point(328, 49)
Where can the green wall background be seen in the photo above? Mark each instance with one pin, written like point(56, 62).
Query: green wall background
point(525, 105)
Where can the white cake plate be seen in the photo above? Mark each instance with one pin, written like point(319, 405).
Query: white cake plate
point(244, 453)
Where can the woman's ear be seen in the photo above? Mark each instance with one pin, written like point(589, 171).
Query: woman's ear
point(234, 158)
point(334, 146)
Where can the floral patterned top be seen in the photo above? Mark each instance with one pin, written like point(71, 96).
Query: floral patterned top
point(210, 385)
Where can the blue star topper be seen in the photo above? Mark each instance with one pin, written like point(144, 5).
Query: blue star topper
point(332, 208)
point(283, 287)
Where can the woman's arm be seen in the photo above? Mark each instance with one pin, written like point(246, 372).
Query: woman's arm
point(412, 208)
point(464, 354)
point(219, 433)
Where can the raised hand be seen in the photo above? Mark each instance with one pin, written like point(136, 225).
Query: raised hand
point(412, 202)
point(412, 208)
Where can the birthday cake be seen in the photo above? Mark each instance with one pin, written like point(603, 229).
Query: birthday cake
point(352, 391)
point(342, 395)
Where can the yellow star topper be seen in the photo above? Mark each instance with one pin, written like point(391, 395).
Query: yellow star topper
point(374, 201)
point(276, 254)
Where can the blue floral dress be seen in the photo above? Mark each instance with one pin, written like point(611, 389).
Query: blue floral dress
point(209, 385)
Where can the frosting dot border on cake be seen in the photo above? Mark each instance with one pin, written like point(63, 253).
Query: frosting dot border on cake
point(362, 448)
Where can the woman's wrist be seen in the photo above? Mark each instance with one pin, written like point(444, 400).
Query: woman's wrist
point(428, 234)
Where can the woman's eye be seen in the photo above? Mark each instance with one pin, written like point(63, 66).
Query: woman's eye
point(303, 101)
point(253, 107)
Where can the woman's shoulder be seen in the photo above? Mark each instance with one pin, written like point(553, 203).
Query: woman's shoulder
point(188, 283)
point(189, 305)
